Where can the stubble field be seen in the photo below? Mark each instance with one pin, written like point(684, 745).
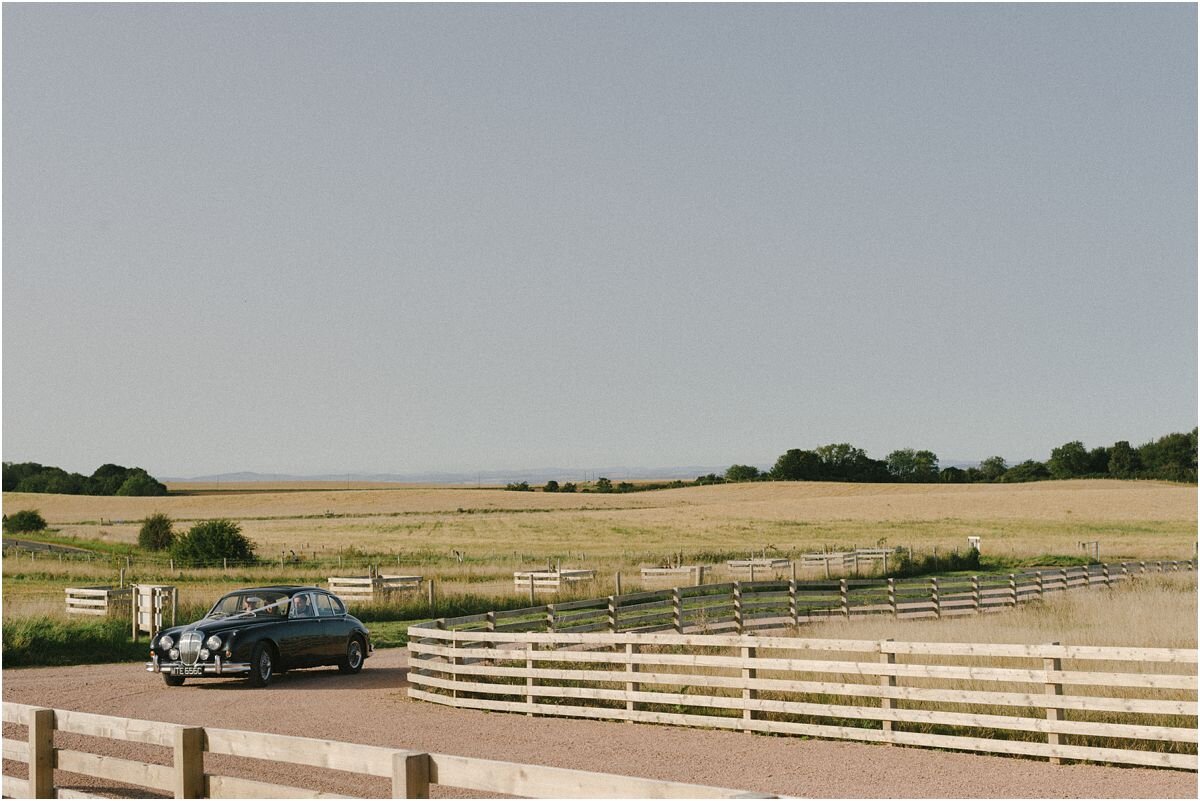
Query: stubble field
point(1130, 519)
point(472, 539)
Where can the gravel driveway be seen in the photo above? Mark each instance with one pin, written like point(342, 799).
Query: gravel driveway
point(373, 708)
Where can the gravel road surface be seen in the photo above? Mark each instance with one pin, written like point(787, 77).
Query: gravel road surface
point(373, 708)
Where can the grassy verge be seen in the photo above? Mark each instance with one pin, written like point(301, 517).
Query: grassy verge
point(44, 642)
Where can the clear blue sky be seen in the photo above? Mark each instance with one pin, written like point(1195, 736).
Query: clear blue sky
point(327, 238)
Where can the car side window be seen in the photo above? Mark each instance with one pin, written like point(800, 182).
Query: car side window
point(324, 607)
point(339, 608)
point(302, 606)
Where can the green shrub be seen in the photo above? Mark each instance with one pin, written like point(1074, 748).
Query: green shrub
point(156, 533)
point(24, 520)
point(210, 542)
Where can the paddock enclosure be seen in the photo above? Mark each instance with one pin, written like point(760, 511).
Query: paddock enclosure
point(689, 656)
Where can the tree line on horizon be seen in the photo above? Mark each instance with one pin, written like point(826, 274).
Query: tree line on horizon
point(1169, 458)
point(109, 479)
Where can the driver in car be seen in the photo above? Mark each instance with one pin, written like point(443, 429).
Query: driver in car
point(300, 607)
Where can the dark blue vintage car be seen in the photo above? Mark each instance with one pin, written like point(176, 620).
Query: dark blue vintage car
point(259, 632)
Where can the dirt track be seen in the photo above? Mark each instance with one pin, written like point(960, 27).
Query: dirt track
point(373, 708)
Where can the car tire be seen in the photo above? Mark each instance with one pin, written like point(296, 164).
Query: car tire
point(172, 681)
point(352, 662)
point(262, 665)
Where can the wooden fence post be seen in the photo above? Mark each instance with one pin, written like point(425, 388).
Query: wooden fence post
point(551, 618)
point(433, 595)
point(699, 575)
point(886, 657)
point(490, 621)
point(612, 614)
point(1143, 564)
point(892, 597)
point(1107, 577)
point(677, 610)
point(844, 592)
point(41, 753)
point(631, 667)
point(1041, 586)
point(1066, 584)
point(1087, 577)
point(410, 775)
point(737, 607)
point(1012, 588)
point(188, 766)
point(793, 609)
point(749, 654)
point(1053, 713)
point(532, 597)
point(133, 604)
point(530, 647)
point(1124, 571)
point(935, 598)
point(617, 582)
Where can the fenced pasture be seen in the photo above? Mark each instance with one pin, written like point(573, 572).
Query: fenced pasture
point(504, 531)
point(185, 767)
point(610, 659)
point(472, 540)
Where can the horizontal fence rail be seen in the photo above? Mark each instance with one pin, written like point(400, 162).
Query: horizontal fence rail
point(684, 656)
point(369, 588)
point(411, 772)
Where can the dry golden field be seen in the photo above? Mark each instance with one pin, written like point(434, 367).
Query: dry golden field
point(1153, 611)
point(1130, 519)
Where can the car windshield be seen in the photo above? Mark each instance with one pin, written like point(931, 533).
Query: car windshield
point(251, 603)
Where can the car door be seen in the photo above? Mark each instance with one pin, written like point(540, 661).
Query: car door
point(333, 628)
point(302, 632)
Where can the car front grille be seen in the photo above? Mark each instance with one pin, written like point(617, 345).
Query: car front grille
point(189, 647)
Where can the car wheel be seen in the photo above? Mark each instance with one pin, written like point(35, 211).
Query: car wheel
point(352, 662)
point(262, 665)
point(172, 681)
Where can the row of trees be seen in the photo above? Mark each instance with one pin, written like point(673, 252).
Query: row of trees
point(1170, 458)
point(109, 479)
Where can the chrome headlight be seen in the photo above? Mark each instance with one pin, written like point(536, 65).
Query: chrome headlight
point(174, 654)
point(203, 654)
point(213, 643)
point(165, 642)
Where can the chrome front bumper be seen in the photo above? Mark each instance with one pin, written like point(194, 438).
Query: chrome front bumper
point(214, 668)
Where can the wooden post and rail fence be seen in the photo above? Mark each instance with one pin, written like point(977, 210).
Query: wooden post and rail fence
point(685, 657)
point(188, 774)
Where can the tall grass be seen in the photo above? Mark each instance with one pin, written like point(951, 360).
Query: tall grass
point(1153, 611)
point(45, 641)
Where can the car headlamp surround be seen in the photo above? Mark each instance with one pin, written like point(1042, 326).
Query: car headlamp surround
point(166, 642)
point(213, 643)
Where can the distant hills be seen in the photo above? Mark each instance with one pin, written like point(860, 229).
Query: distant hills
point(533, 475)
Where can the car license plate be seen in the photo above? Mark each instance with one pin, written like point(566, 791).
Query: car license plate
point(187, 670)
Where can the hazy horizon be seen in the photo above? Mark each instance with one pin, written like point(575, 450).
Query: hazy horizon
point(313, 239)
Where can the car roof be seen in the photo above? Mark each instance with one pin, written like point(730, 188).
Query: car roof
point(290, 589)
